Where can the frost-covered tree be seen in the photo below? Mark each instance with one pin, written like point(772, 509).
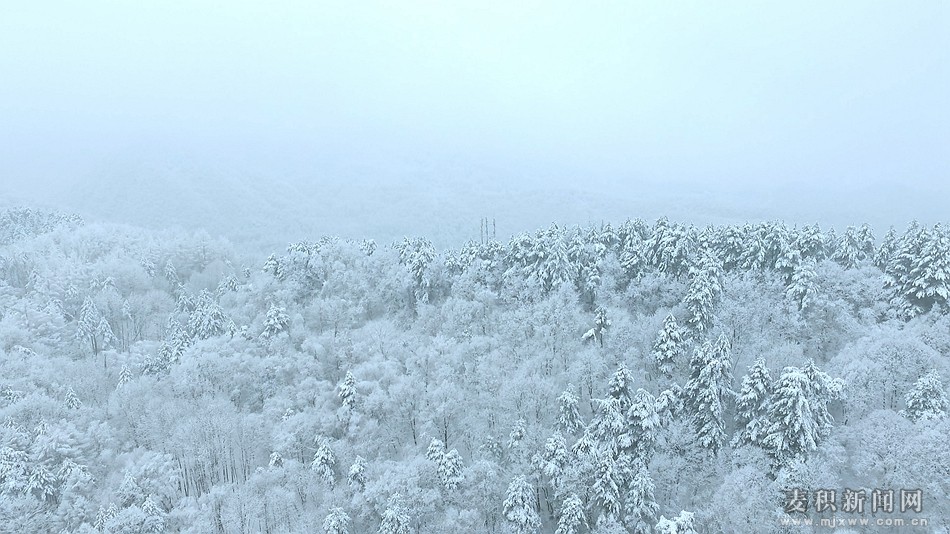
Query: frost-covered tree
point(620, 386)
point(275, 322)
point(347, 391)
point(154, 516)
point(601, 324)
point(681, 524)
point(641, 507)
point(705, 286)
point(821, 391)
point(337, 522)
point(569, 416)
point(125, 376)
point(668, 347)
point(927, 400)
point(356, 476)
point(72, 402)
point(572, 518)
point(611, 474)
point(93, 329)
point(553, 459)
point(519, 507)
point(793, 431)
point(752, 405)
point(416, 254)
point(888, 249)
point(643, 424)
point(396, 518)
point(803, 285)
point(518, 432)
point(207, 319)
point(276, 460)
point(706, 392)
point(448, 464)
point(918, 276)
point(324, 462)
point(849, 250)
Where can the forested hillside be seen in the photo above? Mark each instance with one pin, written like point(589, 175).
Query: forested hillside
point(640, 377)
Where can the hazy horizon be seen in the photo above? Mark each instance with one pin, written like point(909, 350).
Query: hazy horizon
point(384, 119)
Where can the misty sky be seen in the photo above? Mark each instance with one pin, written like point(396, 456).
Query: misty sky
point(784, 100)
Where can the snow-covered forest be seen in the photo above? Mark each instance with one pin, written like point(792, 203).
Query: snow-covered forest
point(623, 378)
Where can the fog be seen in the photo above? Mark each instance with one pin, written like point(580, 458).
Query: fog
point(268, 123)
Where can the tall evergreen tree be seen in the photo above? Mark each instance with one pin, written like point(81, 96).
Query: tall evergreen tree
point(396, 519)
point(927, 400)
point(668, 347)
point(704, 288)
point(519, 507)
point(569, 416)
point(337, 522)
point(793, 430)
point(572, 518)
point(752, 405)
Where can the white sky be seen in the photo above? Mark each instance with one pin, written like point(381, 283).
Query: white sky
point(764, 96)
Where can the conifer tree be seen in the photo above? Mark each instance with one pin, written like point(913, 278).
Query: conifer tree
point(927, 400)
point(641, 507)
point(396, 519)
point(569, 417)
point(337, 522)
point(668, 347)
point(572, 518)
point(519, 508)
point(752, 405)
point(323, 462)
point(793, 430)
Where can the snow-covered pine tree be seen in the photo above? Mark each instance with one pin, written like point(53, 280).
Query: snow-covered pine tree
point(601, 324)
point(396, 518)
point(416, 254)
point(705, 286)
point(810, 242)
point(644, 424)
point(707, 391)
point(337, 522)
point(821, 391)
point(668, 347)
point(927, 400)
point(620, 386)
point(849, 251)
point(207, 319)
point(519, 507)
point(518, 432)
point(887, 250)
point(125, 376)
point(356, 476)
point(448, 464)
point(275, 321)
point(154, 522)
point(572, 519)
point(552, 460)
point(611, 475)
point(72, 401)
point(92, 328)
point(324, 462)
point(803, 285)
point(793, 431)
point(450, 470)
point(684, 523)
point(569, 417)
point(640, 506)
point(348, 391)
point(752, 405)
